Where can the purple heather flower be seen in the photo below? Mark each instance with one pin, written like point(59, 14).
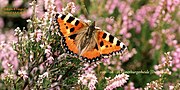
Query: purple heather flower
point(38, 35)
point(89, 68)
point(17, 3)
point(106, 61)
point(117, 81)
point(1, 23)
point(155, 36)
point(164, 5)
point(154, 85)
point(155, 16)
point(46, 3)
point(23, 74)
point(141, 15)
point(110, 6)
point(130, 86)
point(4, 3)
point(7, 74)
point(163, 67)
point(170, 37)
point(88, 78)
point(58, 5)
point(8, 56)
point(128, 55)
point(49, 55)
point(70, 7)
point(109, 27)
point(48, 51)
point(41, 77)
point(176, 59)
point(8, 37)
point(27, 13)
point(39, 8)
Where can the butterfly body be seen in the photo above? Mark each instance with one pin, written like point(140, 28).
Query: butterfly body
point(87, 42)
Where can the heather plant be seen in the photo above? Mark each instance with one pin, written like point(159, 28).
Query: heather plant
point(31, 56)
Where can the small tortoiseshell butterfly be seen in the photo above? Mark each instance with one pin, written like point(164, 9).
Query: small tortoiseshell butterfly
point(87, 42)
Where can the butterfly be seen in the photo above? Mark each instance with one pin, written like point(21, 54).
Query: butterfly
point(86, 41)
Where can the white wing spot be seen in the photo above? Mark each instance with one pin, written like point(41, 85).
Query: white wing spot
point(121, 45)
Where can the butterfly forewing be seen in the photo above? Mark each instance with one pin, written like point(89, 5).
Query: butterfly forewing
point(109, 45)
point(68, 24)
point(69, 27)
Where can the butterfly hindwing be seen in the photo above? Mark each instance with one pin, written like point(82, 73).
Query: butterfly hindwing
point(91, 55)
point(109, 45)
point(69, 46)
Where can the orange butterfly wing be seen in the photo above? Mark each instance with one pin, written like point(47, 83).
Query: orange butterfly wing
point(90, 56)
point(109, 45)
point(69, 26)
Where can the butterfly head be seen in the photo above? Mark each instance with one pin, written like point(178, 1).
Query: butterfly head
point(92, 26)
point(90, 30)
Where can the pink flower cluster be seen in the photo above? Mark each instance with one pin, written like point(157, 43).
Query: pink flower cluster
point(130, 86)
point(70, 7)
point(117, 81)
point(38, 34)
point(49, 55)
point(116, 62)
point(8, 36)
point(170, 37)
point(88, 78)
point(1, 23)
point(160, 11)
point(112, 25)
point(176, 59)
point(141, 16)
point(23, 72)
point(129, 20)
point(153, 41)
point(154, 85)
point(128, 55)
point(17, 3)
point(41, 4)
point(3, 3)
point(8, 58)
point(165, 64)
point(126, 11)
